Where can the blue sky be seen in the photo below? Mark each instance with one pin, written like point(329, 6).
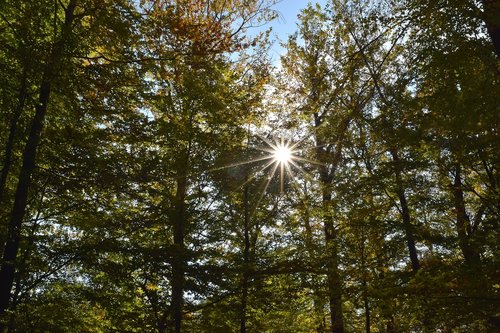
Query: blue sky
point(286, 23)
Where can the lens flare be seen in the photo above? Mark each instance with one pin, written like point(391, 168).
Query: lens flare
point(282, 154)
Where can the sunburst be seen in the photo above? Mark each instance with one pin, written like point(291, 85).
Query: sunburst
point(281, 157)
point(282, 154)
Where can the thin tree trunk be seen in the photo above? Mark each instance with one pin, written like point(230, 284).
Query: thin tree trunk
point(246, 262)
point(334, 281)
point(18, 110)
point(367, 307)
point(405, 213)
point(318, 304)
point(389, 325)
point(178, 262)
point(7, 270)
point(9, 146)
point(364, 281)
point(464, 229)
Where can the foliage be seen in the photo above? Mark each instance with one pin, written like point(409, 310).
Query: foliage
point(140, 212)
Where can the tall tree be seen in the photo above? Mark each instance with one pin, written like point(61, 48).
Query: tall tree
point(335, 95)
point(51, 71)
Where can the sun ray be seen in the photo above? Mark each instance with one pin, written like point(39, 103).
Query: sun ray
point(269, 178)
point(282, 176)
point(289, 170)
point(242, 163)
point(265, 149)
point(308, 160)
point(269, 143)
point(256, 174)
point(314, 147)
point(280, 156)
point(302, 169)
point(292, 147)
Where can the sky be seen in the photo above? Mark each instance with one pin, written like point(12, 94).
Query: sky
point(286, 23)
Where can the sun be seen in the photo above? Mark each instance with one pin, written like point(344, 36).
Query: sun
point(280, 157)
point(282, 154)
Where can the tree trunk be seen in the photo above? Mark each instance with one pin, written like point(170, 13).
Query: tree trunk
point(464, 229)
point(364, 281)
point(18, 110)
point(326, 176)
point(333, 275)
point(334, 281)
point(389, 325)
point(178, 262)
point(367, 308)
point(491, 17)
point(11, 248)
point(9, 146)
point(246, 262)
point(405, 213)
point(317, 302)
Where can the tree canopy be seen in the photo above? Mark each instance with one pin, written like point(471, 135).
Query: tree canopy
point(159, 173)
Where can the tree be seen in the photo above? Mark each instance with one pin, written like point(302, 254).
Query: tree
point(29, 155)
point(316, 66)
point(138, 192)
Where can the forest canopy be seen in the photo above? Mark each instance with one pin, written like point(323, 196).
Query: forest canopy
point(160, 173)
